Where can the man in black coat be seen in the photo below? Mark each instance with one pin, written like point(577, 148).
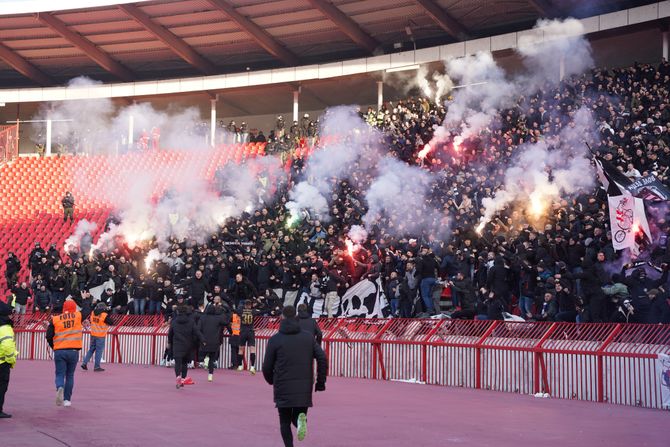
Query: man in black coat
point(183, 338)
point(288, 366)
point(309, 324)
point(211, 325)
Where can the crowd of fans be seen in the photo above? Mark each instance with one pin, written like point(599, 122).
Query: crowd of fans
point(562, 270)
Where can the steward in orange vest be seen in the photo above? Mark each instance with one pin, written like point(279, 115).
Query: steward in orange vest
point(100, 322)
point(234, 340)
point(64, 336)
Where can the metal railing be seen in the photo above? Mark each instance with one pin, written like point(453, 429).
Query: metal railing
point(595, 362)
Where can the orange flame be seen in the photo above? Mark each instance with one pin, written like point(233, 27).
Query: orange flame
point(350, 247)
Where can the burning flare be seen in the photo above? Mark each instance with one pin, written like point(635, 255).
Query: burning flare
point(350, 247)
point(423, 153)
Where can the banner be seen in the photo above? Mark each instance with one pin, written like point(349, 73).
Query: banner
point(316, 304)
point(627, 219)
point(366, 300)
point(649, 188)
point(96, 292)
point(663, 374)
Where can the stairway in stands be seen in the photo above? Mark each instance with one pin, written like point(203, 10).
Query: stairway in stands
point(31, 190)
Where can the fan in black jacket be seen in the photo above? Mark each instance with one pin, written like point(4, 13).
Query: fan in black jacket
point(289, 368)
point(309, 324)
point(183, 338)
point(211, 325)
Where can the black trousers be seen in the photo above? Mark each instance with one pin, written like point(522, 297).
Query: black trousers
point(4, 382)
point(288, 416)
point(213, 357)
point(181, 366)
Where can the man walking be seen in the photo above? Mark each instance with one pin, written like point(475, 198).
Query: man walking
point(64, 336)
point(289, 367)
point(100, 322)
point(7, 352)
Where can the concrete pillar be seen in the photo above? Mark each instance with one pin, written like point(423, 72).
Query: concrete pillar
point(665, 36)
point(212, 123)
point(296, 97)
point(561, 68)
point(47, 148)
point(131, 132)
point(380, 94)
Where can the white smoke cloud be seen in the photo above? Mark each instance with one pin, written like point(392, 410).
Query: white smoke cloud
point(358, 234)
point(83, 228)
point(347, 140)
point(546, 171)
point(400, 194)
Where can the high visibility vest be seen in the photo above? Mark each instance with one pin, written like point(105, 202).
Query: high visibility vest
point(67, 331)
point(235, 325)
point(8, 351)
point(98, 325)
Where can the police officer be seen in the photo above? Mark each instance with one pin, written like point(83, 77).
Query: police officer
point(64, 336)
point(8, 351)
point(100, 322)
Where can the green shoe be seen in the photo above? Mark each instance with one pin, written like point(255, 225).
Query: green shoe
point(302, 426)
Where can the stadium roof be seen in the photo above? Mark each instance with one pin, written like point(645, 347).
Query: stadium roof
point(149, 40)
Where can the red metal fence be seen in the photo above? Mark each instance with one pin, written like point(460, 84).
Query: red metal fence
point(596, 362)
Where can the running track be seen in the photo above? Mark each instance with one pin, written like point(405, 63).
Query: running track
point(139, 406)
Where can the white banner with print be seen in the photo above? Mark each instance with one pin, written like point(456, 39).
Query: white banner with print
point(663, 372)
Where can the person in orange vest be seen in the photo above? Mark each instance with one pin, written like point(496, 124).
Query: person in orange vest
point(64, 336)
point(234, 341)
point(100, 322)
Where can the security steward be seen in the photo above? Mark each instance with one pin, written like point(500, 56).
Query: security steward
point(100, 322)
point(8, 351)
point(234, 341)
point(64, 336)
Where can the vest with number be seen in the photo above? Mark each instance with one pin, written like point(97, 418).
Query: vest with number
point(235, 325)
point(98, 325)
point(67, 331)
point(7, 345)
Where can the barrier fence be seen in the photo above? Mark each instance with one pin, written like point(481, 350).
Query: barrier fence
point(614, 363)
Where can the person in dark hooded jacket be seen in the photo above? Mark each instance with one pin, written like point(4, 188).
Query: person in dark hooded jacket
point(497, 279)
point(211, 325)
point(182, 339)
point(309, 324)
point(639, 284)
point(289, 367)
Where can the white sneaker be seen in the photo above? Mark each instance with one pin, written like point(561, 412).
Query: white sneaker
point(252, 370)
point(67, 403)
point(191, 365)
point(240, 368)
point(162, 363)
point(59, 396)
point(210, 377)
point(103, 361)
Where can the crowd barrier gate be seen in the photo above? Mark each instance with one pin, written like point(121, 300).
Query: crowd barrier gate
point(594, 362)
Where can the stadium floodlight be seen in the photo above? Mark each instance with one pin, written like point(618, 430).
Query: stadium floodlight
point(403, 68)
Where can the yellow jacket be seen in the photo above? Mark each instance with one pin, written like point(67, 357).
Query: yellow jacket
point(8, 352)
